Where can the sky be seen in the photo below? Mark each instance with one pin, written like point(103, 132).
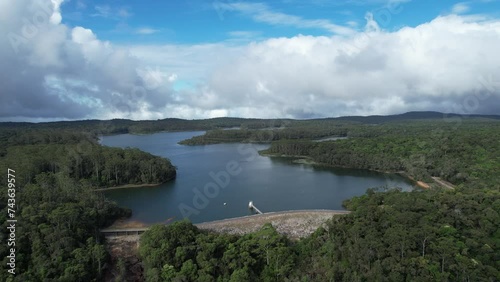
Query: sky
point(75, 59)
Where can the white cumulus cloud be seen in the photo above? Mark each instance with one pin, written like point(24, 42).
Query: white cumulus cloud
point(51, 71)
point(435, 66)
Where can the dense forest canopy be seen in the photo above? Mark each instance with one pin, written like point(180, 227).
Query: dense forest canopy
point(79, 156)
point(58, 210)
point(468, 154)
point(181, 252)
point(57, 230)
point(390, 236)
point(429, 235)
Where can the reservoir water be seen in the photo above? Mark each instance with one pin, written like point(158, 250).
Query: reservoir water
point(217, 181)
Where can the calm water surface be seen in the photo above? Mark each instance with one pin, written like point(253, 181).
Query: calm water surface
point(211, 175)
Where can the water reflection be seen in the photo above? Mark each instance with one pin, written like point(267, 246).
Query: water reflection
point(274, 184)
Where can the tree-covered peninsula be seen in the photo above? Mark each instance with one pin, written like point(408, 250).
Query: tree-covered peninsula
point(57, 210)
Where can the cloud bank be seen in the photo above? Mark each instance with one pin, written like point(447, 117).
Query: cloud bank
point(52, 71)
point(449, 64)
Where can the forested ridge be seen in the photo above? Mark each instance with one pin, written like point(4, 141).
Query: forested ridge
point(463, 151)
point(295, 132)
point(121, 126)
point(80, 157)
point(468, 154)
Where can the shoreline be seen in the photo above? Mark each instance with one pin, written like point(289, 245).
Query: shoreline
point(126, 186)
point(309, 161)
point(227, 142)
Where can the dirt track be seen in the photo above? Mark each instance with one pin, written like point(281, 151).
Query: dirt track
point(443, 183)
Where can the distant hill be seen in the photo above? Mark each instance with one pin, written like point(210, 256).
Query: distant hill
point(411, 116)
point(120, 126)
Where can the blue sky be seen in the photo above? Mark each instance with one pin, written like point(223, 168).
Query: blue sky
point(270, 59)
point(198, 21)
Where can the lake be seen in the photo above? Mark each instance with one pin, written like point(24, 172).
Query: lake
point(218, 181)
